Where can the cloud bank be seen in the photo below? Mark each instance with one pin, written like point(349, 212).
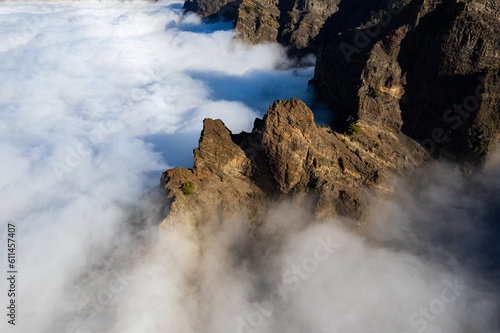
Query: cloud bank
point(94, 100)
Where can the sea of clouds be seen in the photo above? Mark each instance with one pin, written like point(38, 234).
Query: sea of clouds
point(98, 98)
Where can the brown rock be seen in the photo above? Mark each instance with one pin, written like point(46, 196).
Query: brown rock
point(287, 156)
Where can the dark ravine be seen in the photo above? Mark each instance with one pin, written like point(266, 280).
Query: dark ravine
point(398, 86)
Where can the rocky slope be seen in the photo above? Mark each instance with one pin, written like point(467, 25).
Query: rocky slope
point(287, 156)
point(300, 24)
point(431, 68)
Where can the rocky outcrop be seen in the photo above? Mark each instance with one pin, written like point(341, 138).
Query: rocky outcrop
point(430, 68)
point(297, 24)
point(287, 156)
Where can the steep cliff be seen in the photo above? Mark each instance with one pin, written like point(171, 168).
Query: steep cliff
point(430, 68)
point(287, 156)
point(299, 24)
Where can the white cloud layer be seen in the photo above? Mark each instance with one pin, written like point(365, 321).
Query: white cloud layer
point(97, 98)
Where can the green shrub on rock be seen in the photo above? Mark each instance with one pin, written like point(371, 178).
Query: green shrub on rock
point(188, 188)
point(353, 129)
point(375, 92)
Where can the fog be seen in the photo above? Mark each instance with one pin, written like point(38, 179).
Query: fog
point(98, 98)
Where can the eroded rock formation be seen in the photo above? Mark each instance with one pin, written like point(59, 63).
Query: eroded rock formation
point(287, 156)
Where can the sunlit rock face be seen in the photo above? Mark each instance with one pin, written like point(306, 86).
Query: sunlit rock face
point(288, 156)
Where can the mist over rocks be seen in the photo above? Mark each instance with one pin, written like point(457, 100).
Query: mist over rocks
point(426, 261)
point(411, 81)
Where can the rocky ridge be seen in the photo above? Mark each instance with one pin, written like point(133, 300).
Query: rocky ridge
point(287, 156)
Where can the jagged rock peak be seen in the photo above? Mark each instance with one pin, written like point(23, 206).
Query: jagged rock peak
point(217, 153)
point(287, 156)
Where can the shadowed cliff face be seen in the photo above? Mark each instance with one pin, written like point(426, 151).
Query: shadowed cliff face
point(302, 25)
point(288, 156)
point(431, 69)
point(294, 23)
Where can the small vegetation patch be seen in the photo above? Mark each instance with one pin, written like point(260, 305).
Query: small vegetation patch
point(248, 9)
point(353, 129)
point(375, 92)
point(188, 188)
